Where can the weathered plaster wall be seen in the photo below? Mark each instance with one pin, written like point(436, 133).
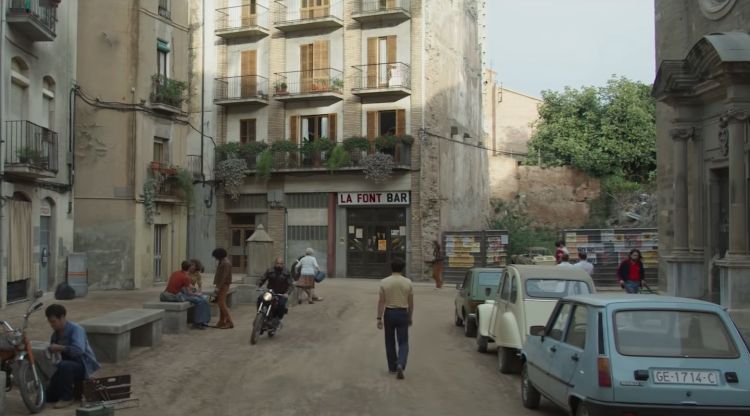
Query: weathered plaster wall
point(515, 115)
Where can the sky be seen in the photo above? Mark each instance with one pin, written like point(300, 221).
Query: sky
point(537, 45)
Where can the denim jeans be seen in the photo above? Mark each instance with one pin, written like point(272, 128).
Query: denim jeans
point(396, 326)
point(62, 383)
point(632, 286)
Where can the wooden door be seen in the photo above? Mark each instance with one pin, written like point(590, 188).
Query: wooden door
point(306, 68)
point(248, 69)
point(249, 18)
point(379, 72)
point(322, 75)
point(311, 9)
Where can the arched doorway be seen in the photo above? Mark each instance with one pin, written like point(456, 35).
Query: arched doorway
point(20, 248)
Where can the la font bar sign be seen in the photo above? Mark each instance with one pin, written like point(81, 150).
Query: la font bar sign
point(374, 198)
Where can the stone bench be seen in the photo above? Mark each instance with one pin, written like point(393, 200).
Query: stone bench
point(177, 315)
point(230, 296)
point(111, 335)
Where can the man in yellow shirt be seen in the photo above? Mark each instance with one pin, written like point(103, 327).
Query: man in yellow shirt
point(395, 310)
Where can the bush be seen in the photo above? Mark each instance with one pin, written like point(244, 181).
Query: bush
point(521, 234)
point(357, 143)
point(281, 146)
point(339, 158)
point(265, 165)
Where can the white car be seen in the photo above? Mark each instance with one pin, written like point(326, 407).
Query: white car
point(526, 298)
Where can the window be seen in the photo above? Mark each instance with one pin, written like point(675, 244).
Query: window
point(489, 279)
point(48, 102)
point(670, 333)
point(389, 122)
point(161, 150)
point(505, 291)
point(247, 130)
point(164, 9)
point(557, 329)
point(18, 90)
point(314, 73)
point(513, 290)
point(578, 327)
point(249, 72)
point(555, 288)
point(381, 54)
point(162, 59)
point(305, 128)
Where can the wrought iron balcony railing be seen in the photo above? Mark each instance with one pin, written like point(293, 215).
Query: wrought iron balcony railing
point(167, 91)
point(28, 145)
point(241, 18)
point(241, 88)
point(381, 76)
point(292, 12)
point(383, 6)
point(36, 18)
point(313, 81)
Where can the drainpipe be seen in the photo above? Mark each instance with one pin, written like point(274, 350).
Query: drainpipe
point(203, 84)
point(3, 281)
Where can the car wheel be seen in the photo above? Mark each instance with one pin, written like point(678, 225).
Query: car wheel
point(507, 361)
point(482, 342)
point(582, 409)
point(470, 328)
point(529, 394)
point(459, 321)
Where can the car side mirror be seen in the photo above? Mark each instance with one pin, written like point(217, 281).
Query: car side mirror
point(537, 330)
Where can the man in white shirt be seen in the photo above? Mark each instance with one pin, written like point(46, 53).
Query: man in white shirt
point(395, 310)
point(584, 264)
point(565, 261)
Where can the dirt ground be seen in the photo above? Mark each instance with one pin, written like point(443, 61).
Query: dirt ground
point(328, 359)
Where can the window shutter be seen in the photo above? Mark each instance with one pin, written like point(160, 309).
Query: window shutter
point(332, 126)
point(372, 62)
point(248, 69)
point(294, 129)
point(321, 74)
point(372, 125)
point(400, 122)
point(390, 52)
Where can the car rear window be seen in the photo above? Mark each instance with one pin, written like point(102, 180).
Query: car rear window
point(489, 278)
point(670, 333)
point(555, 288)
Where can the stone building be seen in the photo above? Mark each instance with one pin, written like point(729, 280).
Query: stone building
point(132, 169)
point(37, 69)
point(296, 72)
point(703, 92)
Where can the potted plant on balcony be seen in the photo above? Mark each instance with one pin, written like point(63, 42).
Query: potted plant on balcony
point(358, 147)
point(167, 91)
point(338, 159)
point(232, 173)
point(321, 85)
point(337, 85)
point(322, 148)
point(265, 165)
point(386, 144)
point(250, 151)
point(280, 88)
point(283, 150)
point(184, 180)
point(28, 154)
point(225, 150)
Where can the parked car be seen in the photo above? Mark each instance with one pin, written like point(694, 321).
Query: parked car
point(479, 285)
point(638, 355)
point(525, 299)
point(535, 255)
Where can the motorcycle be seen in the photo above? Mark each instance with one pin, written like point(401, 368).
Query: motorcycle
point(265, 319)
point(17, 360)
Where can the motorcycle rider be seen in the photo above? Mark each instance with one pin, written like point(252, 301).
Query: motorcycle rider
point(280, 281)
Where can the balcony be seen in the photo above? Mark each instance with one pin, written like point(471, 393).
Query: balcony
point(30, 150)
point(292, 17)
point(382, 11)
point(314, 84)
point(167, 94)
point(36, 19)
point(169, 184)
point(245, 89)
point(164, 9)
point(382, 80)
point(248, 20)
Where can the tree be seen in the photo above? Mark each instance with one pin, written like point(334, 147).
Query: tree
point(603, 131)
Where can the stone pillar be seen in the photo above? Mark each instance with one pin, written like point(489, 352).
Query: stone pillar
point(685, 275)
point(260, 257)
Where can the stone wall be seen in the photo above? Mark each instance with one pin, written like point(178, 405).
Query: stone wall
point(555, 197)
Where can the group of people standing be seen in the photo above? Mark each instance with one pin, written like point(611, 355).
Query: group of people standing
point(631, 273)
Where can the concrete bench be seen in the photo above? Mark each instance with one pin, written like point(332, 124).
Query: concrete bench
point(230, 296)
point(111, 335)
point(177, 315)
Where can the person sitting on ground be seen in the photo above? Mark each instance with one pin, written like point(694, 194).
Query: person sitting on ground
point(280, 281)
point(179, 289)
point(78, 359)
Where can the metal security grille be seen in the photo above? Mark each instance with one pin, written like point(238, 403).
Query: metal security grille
point(318, 200)
point(259, 201)
point(308, 232)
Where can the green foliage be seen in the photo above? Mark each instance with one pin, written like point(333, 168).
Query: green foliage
point(232, 172)
point(613, 188)
point(356, 143)
point(149, 199)
point(406, 139)
point(521, 234)
point(602, 131)
point(185, 181)
point(323, 144)
point(339, 158)
point(167, 91)
point(252, 149)
point(28, 154)
point(386, 142)
point(265, 165)
point(281, 146)
point(224, 151)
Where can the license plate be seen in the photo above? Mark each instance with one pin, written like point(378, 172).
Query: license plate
point(709, 378)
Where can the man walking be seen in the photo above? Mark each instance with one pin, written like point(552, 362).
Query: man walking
point(395, 311)
point(222, 281)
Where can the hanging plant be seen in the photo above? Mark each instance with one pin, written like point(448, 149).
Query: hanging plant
point(184, 180)
point(338, 159)
point(378, 167)
point(232, 172)
point(149, 199)
point(406, 139)
point(386, 142)
point(265, 165)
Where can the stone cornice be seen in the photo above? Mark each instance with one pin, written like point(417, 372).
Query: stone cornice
point(684, 133)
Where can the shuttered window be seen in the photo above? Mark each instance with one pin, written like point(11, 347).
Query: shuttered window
point(247, 130)
point(389, 122)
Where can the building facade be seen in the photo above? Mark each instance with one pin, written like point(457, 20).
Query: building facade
point(133, 174)
point(37, 69)
point(400, 78)
point(703, 92)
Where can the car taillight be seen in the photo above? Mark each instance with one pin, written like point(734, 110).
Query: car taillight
point(602, 366)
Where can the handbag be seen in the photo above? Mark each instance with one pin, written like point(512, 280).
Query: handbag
point(319, 277)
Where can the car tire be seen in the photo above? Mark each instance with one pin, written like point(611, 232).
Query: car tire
point(470, 328)
point(459, 321)
point(507, 361)
point(582, 409)
point(482, 343)
point(530, 396)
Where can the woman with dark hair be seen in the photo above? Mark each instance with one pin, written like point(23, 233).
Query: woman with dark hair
point(222, 280)
point(631, 272)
